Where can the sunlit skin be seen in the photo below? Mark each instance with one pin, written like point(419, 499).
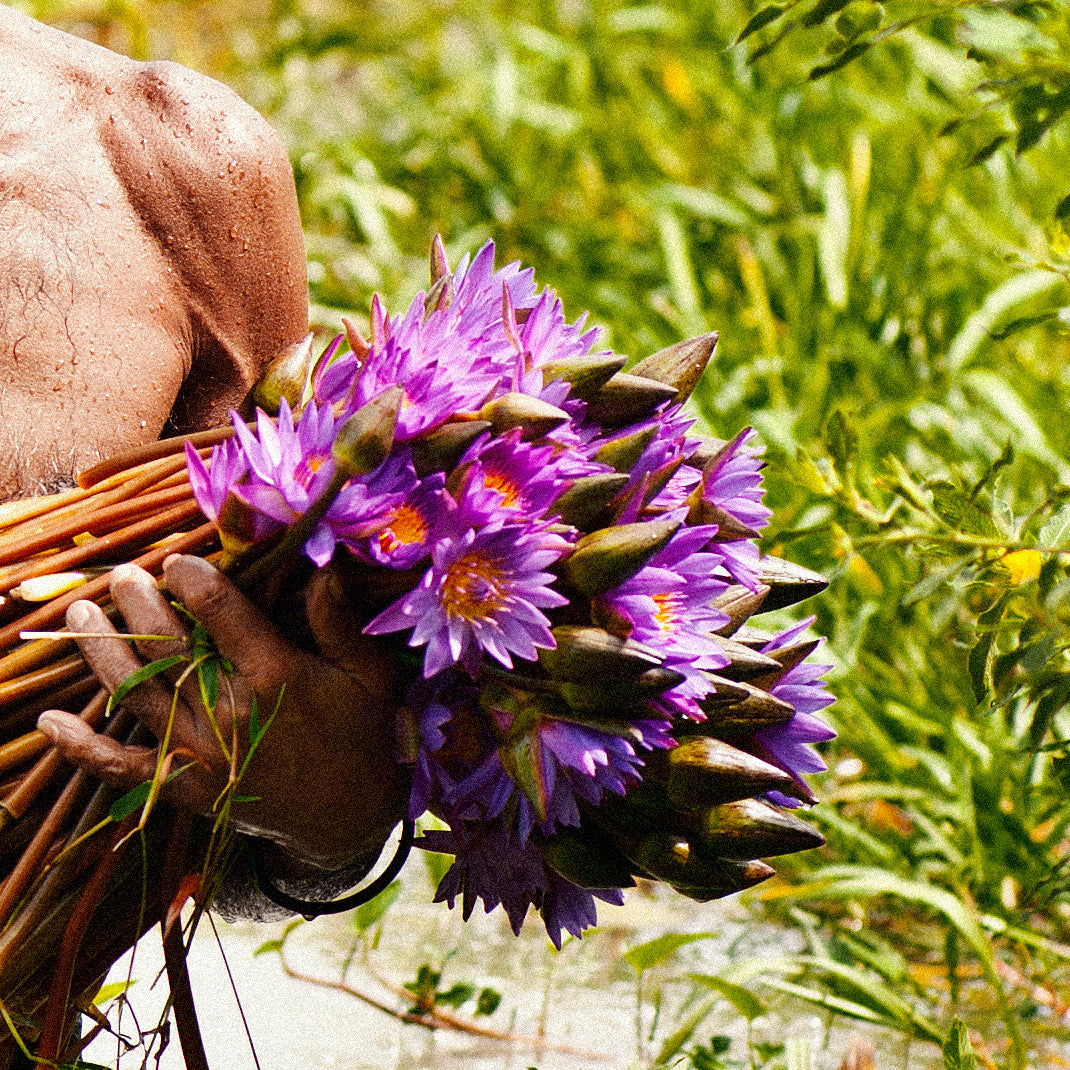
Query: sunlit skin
point(151, 263)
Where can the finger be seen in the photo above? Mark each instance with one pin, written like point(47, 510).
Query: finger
point(337, 631)
point(147, 612)
point(152, 702)
point(241, 632)
point(103, 757)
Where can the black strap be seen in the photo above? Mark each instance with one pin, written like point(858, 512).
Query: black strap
point(348, 902)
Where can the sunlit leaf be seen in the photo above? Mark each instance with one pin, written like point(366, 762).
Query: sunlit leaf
point(643, 956)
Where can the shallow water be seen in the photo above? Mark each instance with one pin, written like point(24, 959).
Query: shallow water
point(576, 1008)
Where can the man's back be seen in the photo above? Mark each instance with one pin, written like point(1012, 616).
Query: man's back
point(151, 258)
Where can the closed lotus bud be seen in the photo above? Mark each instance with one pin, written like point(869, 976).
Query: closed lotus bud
point(753, 828)
point(357, 342)
point(729, 528)
point(586, 375)
point(535, 418)
point(620, 697)
point(646, 808)
point(581, 504)
point(746, 663)
point(439, 297)
point(788, 583)
point(587, 859)
point(734, 877)
point(363, 442)
point(742, 715)
point(738, 602)
point(236, 523)
point(753, 637)
point(607, 557)
point(680, 366)
point(788, 657)
point(287, 376)
point(705, 771)
point(522, 760)
point(626, 399)
point(591, 654)
point(708, 449)
point(622, 453)
point(441, 449)
point(440, 265)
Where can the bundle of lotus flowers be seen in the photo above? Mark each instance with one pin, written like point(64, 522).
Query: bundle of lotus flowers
point(566, 574)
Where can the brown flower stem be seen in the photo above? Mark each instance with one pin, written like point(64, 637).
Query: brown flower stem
point(56, 1012)
point(26, 747)
point(34, 683)
point(33, 655)
point(165, 447)
point(174, 951)
point(107, 547)
point(75, 695)
point(52, 612)
point(95, 522)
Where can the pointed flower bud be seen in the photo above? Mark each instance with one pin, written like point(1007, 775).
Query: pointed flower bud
point(788, 583)
point(623, 452)
point(535, 418)
point(705, 771)
point(585, 374)
point(680, 366)
point(592, 654)
point(364, 440)
point(625, 399)
point(745, 663)
point(587, 859)
point(751, 828)
point(441, 449)
point(581, 504)
point(288, 376)
point(607, 557)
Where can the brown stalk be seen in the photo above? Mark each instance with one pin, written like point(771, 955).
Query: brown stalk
point(34, 683)
point(107, 547)
point(23, 717)
point(95, 522)
point(165, 447)
point(23, 749)
point(51, 613)
point(56, 1013)
point(32, 655)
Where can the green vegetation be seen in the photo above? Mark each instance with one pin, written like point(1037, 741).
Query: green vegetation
point(868, 202)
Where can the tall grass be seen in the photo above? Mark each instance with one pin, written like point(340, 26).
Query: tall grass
point(889, 279)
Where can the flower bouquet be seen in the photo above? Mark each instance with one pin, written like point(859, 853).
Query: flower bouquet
point(565, 575)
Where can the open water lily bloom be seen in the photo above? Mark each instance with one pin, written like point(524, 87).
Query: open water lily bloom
point(484, 593)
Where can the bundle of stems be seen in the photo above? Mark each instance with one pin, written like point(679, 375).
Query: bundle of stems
point(69, 903)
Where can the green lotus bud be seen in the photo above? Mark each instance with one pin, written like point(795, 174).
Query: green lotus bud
point(755, 638)
point(440, 265)
point(645, 808)
point(357, 342)
point(607, 557)
point(587, 859)
point(752, 828)
point(735, 877)
point(680, 366)
point(622, 453)
point(788, 583)
point(581, 504)
point(729, 529)
point(591, 654)
point(620, 697)
point(522, 759)
point(705, 771)
point(236, 524)
point(287, 376)
point(586, 375)
point(439, 297)
point(746, 663)
point(743, 715)
point(626, 399)
point(535, 418)
point(364, 441)
point(441, 449)
point(788, 658)
point(708, 449)
point(738, 602)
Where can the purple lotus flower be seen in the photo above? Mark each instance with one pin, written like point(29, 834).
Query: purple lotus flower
point(788, 745)
point(667, 605)
point(484, 592)
point(222, 479)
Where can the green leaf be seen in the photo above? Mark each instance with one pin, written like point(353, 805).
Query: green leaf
point(957, 1050)
point(643, 956)
point(133, 800)
point(845, 57)
point(822, 10)
point(138, 676)
point(368, 914)
point(108, 992)
point(267, 947)
point(745, 1001)
point(456, 996)
point(1055, 534)
point(841, 440)
point(987, 150)
point(208, 681)
point(1062, 209)
point(762, 18)
point(488, 1002)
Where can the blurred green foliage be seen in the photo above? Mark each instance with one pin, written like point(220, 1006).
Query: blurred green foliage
point(870, 208)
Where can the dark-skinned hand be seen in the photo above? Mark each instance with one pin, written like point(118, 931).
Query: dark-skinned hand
point(324, 776)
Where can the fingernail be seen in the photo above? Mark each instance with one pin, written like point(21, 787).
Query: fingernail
point(48, 724)
point(78, 615)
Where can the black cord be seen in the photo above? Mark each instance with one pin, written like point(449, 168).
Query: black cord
point(348, 902)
